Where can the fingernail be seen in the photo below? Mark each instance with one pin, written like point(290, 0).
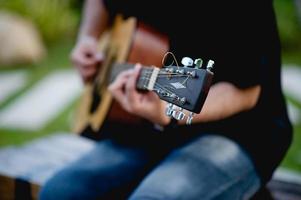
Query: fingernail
point(138, 66)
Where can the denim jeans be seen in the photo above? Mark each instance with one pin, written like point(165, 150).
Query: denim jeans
point(208, 167)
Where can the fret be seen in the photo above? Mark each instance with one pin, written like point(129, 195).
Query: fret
point(144, 77)
point(153, 78)
point(117, 68)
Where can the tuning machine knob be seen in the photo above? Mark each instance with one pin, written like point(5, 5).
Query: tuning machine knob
point(178, 114)
point(169, 110)
point(189, 118)
point(198, 63)
point(187, 62)
point(210, 65)
point(174, 111)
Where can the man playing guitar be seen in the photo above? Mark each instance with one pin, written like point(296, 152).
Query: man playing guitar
point(232, 146)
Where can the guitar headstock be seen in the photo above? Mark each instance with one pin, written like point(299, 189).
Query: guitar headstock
point(183, 87)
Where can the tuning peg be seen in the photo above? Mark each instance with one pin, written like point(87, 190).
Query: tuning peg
point(180, 71)
point(169, 110)
point(189, 118)
point(187, 62)
point(191, 73)
point(210, 65)
point(178, 114)
point(175, 113)
point(198, 63)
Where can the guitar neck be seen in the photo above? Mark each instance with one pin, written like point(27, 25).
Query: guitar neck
point(146, 79)
point(186, 87)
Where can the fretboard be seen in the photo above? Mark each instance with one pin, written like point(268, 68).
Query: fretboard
point(146, 79)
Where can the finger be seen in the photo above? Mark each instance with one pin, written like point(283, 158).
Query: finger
point(90, 70)
point(133, 96)
point(119, 96)
point(84, 60)
point(86, 56)
point(88, 73)
point(117, 88)
point(131, 85)
point(118, 84)
point(121, 79)
point(118, 92)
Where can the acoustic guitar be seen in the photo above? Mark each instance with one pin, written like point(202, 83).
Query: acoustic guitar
point(125, 43)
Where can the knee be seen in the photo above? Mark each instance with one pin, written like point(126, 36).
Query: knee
point(62, 185)
point(164, 185)
point(50, 190)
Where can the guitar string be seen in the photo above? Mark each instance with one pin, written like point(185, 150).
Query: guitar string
point(159, 86)
point(147, 72)
point(147, 78)
point(97, 79)
point(162, 88)
point(164, 74)
point(173, 56)
point(173, 75)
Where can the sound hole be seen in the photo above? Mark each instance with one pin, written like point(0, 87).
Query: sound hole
point(95, 100)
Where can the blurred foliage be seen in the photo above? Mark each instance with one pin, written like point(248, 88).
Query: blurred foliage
point(289, 24)
point(56, 19)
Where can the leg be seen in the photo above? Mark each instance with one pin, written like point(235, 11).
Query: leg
point(210, 167)
point(107, 167)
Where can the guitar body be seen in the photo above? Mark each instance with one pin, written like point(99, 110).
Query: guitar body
point(127, 41)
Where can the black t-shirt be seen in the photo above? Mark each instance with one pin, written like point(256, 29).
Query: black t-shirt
point(242, 38)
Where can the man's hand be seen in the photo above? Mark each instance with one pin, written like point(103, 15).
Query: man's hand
point(147, 105)
point(86, 58)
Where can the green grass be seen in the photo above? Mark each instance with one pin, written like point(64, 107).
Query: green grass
point(292, 159)
point(292, 57)
point(18, 137)
point(288, 24)
point(290, 32)
point(58, 58)
point(54, 19)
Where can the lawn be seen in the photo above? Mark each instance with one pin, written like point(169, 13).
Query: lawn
point(58, 58)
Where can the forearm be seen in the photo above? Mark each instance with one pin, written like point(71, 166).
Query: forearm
point(225, 100)
point(94, 19)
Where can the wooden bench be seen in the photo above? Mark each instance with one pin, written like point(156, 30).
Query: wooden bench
point(24, 169)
